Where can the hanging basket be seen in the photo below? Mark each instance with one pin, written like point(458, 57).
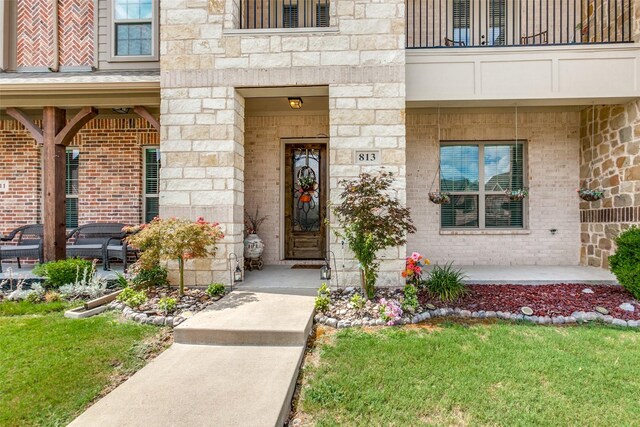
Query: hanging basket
point(590, 195)
point(517, 195)
point(439, 198)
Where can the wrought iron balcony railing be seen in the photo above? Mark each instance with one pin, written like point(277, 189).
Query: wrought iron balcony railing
point(474, 23)
point(263, 14)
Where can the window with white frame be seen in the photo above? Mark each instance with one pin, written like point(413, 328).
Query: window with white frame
point(71, 187)
point(151, 184)
point(133, 28)
point(476, 175)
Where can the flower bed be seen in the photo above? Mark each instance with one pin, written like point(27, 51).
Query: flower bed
point(193, 301)
point(557, 304)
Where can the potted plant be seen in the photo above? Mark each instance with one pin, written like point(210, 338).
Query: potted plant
point(517, 194)
point(253, 244)
point(590, 195)
point(439, 198)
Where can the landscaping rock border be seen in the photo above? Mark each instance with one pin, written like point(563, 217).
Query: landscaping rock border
point(140, 317)
point(577, 317)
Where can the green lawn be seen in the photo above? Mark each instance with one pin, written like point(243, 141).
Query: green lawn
point(498, 374)
point(10, 308)
point(51, 368)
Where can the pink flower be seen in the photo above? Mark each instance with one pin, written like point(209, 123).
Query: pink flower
point(416, 256)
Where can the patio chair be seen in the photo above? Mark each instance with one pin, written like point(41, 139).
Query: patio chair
point(92, 241)
point(535, 39)
point(28, 244)
point(450, 42)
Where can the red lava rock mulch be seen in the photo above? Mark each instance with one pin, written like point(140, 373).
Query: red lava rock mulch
point(545, 300)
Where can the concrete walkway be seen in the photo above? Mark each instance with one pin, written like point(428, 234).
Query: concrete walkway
point(233, 365)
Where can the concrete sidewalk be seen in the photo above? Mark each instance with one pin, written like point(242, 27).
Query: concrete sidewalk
point(233, 365)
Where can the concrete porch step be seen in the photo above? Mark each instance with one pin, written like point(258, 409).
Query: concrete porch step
point(250, 318)
point(193, 385)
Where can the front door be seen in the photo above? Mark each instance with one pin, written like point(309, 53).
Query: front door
point(305, 201)
point(483, 22)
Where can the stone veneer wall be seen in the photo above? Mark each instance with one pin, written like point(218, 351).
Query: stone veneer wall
point(611, 163)
point(204, 58)
point(110, 172)
point(263, 162)
point(553, 139)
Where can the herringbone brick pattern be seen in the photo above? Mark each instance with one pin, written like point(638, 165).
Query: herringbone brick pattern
point(34, 33)
point(76, 32)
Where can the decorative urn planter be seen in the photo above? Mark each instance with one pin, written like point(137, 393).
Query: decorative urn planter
point(253, 246)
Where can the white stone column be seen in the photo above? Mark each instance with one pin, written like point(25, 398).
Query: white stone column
point(202, 173)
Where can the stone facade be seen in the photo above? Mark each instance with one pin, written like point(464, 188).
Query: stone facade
point(610, 160)
point(110, 172)
point(552, 159)
point(205, 59)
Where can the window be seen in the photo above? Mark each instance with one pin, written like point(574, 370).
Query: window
point(71, 187)
point(290, 15)
point(133, 28)
point(151, 182)
point(477, 175)
point(322, 14)
point(461, 25)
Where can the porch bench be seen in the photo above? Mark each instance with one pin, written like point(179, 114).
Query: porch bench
point(96, 240)
point(27, 245)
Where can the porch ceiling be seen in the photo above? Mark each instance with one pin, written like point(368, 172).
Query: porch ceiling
point(280, 106)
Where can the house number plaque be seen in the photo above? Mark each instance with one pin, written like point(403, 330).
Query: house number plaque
point(369, 157)
point(4, 186)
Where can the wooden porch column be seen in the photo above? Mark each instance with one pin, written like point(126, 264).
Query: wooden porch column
point(54, 164)
point(54, 136)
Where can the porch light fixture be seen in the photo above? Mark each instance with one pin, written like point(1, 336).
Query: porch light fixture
point(295, 103)
point(121, 110)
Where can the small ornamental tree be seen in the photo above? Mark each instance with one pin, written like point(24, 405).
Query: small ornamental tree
point(174, 239)
point(371, 219)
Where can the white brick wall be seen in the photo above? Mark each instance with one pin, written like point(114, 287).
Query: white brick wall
point(553, 170)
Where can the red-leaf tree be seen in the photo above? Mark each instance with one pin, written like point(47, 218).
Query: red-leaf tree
point(371, 219)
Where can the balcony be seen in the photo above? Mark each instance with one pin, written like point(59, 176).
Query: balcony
point(525, 52)
point(503, 23)
point(273, 14)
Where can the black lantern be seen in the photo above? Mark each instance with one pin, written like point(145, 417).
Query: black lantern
point(325, 272)
point(237, 273)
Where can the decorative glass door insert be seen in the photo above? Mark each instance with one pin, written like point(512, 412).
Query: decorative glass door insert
point(305, 201)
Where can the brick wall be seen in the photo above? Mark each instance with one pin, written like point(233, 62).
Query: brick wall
point(610, 162)
point(110, 172)
point(20, 160)
point(553, 172)
point(34, 33)
point(263, 158)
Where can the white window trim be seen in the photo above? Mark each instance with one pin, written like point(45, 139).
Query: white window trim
point(481, 192)
point(144, 182)
point(111, 35)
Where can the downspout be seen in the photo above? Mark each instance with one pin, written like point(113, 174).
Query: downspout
point(56, 42)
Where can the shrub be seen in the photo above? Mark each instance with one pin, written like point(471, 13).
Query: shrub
point(177, 239)
point(151, 277)
point(52, 296)
point(445, 283)
point(215, 290)
point(625, 263)
point(410, 302)
point(63, 272)
point(132, 298)
point(357, 301)
point(372, 219)
point(33, 297)
point(323, 299)
point(167, 305)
